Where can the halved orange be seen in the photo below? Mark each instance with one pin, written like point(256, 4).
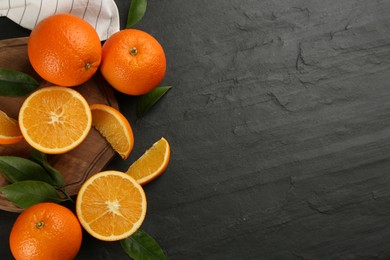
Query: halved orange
point(9, 130)
point(152, 163)
point(111, 205)
point(55, 119)
point(114, 126)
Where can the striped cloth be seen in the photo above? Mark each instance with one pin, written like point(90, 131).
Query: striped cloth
point(101, 14)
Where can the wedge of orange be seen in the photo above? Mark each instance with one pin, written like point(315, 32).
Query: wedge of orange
point(9, 130)
point(111, 205)
point(152, 163)
point(114, 126)
point(55, 119)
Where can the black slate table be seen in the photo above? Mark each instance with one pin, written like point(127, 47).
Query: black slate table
point(279, 124)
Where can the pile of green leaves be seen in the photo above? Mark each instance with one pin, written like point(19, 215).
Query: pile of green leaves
point(33, 180)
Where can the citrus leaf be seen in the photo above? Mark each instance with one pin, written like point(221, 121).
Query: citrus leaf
point(16, 169)
point(145, 102)
point(55, 175)
point(136, 12)
point(141, 246)
point(16, 83)
point(27, 193)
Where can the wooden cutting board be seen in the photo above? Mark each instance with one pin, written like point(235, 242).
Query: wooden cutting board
point(76, 166)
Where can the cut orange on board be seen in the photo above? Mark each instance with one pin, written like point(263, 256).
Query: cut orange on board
point(55, 119)
point(114, 127)
point(111, 205)
point(9, 130)
point(152, 163)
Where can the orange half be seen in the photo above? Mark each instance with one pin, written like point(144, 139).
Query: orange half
point(9, 130)
point(55, 119)
point(114, 127)
point(111, 205)
point(152, 163)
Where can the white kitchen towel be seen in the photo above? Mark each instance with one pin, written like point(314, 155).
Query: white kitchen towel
point(103, 15)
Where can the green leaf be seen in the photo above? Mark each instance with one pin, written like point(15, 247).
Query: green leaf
point(141, 246)
point(16, 83)
point(27, 193)
point(145, 102)
point(17, 169)
point(41, 158)
point(136, 12)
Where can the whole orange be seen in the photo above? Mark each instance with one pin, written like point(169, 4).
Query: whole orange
point(133, 62)
point(64, 49)
point(46, 231)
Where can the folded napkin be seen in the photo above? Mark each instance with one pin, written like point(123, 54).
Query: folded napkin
point(101, 14)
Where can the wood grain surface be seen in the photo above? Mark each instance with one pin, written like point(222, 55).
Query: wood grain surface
point(88, 158)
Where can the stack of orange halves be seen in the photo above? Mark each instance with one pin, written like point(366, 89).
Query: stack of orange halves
point(66, 51)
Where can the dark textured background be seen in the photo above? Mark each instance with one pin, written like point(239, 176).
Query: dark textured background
point(279, 124)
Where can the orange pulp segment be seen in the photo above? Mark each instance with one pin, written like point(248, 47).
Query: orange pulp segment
point(152, 163)
point(55, 119)
point(114, 127)
point(9, 130)
point(111, 205)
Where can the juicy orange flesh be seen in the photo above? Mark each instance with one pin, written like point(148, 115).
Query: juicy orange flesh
point(111, 129)
point(58, 115)
point(8, 126)
point(111, 210)
point(150, 162)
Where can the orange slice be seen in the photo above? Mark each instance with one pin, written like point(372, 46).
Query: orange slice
point(55, 119)
point(152, 163)
point(111, 205)
point(9, 130)
point(114, 127)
